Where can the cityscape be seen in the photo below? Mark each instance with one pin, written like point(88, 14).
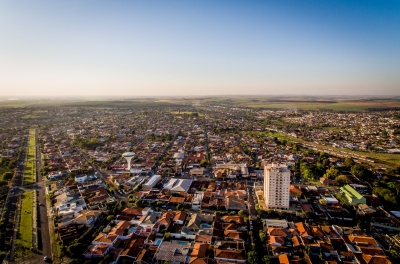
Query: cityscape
point(200, 132)
point(149, 182)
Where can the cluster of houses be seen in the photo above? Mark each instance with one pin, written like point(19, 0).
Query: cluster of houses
point(60, 157)
point(328, 243)
point(142, 234)
point(357, 131)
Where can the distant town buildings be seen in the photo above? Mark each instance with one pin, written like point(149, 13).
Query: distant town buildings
point(276, 186)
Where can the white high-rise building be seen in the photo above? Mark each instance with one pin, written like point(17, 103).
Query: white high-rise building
point(276, 186)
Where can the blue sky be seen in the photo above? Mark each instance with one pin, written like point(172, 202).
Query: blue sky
point(118, 48)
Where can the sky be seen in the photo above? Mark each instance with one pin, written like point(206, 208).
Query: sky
point(183, 48)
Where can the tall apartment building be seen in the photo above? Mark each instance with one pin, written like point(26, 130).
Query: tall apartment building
point(276, 186)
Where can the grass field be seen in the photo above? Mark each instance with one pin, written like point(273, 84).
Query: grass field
point(185, 113)
point(391, 160)
point(24, 236)
point(32, 117)
point(29, 173)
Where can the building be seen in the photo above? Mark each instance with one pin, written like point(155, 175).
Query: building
point(152, 182)
point(178, 185)
point(81, 178)
point(276, 186)
point(352, 196)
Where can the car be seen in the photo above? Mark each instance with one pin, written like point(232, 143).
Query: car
point(164, 206)
point(46, 258)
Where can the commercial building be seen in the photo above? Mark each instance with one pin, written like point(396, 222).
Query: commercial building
point(276, 186)
point(152, 182)
point(178, 185)
point(352, 196)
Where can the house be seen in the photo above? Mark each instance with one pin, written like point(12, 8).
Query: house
point(96, 251)
point(173, 251)
point(235, 203)
point(164, 221)
point(196, 223)
point(132, 249)
point(87, 217)
point(180, 218)
point(199, 254)
point(81, 178)
point(229, 255)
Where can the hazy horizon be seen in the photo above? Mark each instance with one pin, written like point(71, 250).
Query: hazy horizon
point(199, 48)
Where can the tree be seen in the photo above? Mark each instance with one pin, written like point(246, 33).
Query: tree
point(320, 168)
point(266, 259)
point(138, 203)
point(262, 235)
point(342, 180)
point(359, 170)
point(7, 175)
point(322, 201)
point(110, 217)
point(332, 173)
point(394, 185)
point(308, 174)
point(348, 163)
point(252, 257)
point(394, 254)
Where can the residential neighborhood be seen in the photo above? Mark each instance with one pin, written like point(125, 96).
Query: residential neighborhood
point(205, 184)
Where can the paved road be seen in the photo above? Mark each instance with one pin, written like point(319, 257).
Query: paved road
point(255, 226)
point(44, 245)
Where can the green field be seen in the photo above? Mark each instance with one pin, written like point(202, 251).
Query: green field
point(32, 117)
point(24, 236)
point(185, 113)
point(29, 173)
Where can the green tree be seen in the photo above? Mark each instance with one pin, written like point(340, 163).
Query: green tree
point(7, 175)
point(332, 173)
point(359, 170)
point(308, 174)
point(320, 169)
point(348, 163)
point(394, 254)
point(266, 259)
point(394, 185)
point(203, 163)
point(138, 203)
point(262, 235)
point(252, 257)
point(342, 180)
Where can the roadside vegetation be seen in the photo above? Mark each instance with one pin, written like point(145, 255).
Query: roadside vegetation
point(29, 174)
point(24, 235)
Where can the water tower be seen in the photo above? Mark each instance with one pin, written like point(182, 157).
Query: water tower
point(128, 156)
